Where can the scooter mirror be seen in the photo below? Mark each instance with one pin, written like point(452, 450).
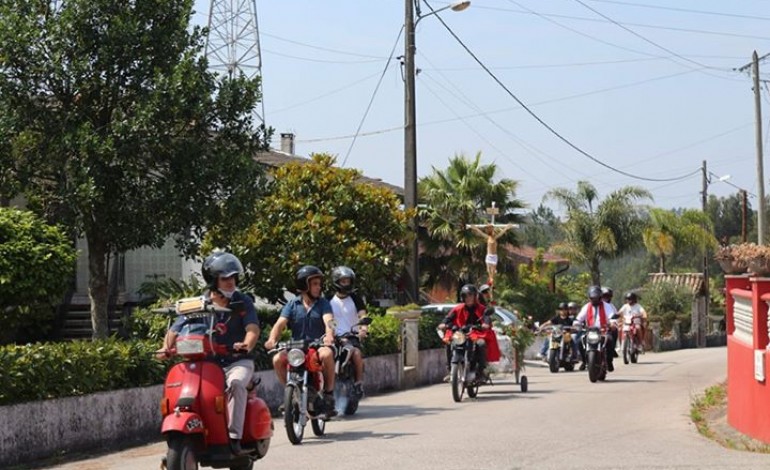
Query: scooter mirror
point(365, 321)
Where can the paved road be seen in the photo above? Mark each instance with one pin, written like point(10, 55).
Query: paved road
point(637, 419)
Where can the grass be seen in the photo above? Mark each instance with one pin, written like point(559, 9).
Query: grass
point(715, 396)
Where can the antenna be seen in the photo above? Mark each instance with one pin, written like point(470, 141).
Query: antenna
point(232, 45)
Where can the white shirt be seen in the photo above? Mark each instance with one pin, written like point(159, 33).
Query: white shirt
point(345, 314)
point(628, 311)
point(582, 317)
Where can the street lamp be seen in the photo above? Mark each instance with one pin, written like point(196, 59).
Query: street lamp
point(410, 134)
point(744, 202)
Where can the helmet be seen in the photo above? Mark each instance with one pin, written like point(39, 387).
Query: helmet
point(220, 264)
point(594, 292)
point(340, 272)
point(304, 275)
point(484, 288)
point(631, 296)
point(468, 289)
point(562, 305)
point(573, 305)
point(606, 291)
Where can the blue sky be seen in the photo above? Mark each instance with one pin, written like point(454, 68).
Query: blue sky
point(654, 101)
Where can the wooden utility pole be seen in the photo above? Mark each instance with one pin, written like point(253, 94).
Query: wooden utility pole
point(744, 210)
point(701, 314)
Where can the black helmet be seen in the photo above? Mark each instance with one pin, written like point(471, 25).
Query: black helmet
point(304, 274)
point(563, 306)
point(573, 305)
point(484, 288)
point(594, 292)
point(340, 272)
point(606, 291)
point(220, 264)
point(631, 296)
point(468, 289)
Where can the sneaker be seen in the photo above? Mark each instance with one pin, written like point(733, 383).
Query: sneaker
point(329, 404)
point(447, 378)
point(582, 366)
point(540, 356)
point(358, 390)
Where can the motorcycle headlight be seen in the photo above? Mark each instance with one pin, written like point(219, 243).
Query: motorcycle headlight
point(296, 357)
point(458, 337)
point(593, 337)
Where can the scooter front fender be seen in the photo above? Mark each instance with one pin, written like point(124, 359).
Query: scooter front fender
point(185, 422)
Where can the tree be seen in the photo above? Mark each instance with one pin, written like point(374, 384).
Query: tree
point(542, 227)
point(669, 231)
point(315, 213)
point(597, 230)
point(117, 129)
point(453, 198)
point(36, 265)
point(726, 215)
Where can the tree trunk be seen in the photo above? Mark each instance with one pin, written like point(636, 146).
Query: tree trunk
point(595, 274)
point(97, 285)
point(663, 263)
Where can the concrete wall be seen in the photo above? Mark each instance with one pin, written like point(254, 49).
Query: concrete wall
point(41, 429)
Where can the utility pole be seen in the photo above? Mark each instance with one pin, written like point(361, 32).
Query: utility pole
point(744, 210)
point(410, 150)
point(702, 313)
point(758, 138)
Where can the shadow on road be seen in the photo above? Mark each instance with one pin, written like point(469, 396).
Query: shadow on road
point(389, 411)
point(360, 435)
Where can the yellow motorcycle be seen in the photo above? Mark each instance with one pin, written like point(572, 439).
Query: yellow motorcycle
point(561, 353)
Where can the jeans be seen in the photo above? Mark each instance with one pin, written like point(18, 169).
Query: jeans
point(237, 375)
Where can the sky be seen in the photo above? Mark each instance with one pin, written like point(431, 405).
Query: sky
point(646, 87)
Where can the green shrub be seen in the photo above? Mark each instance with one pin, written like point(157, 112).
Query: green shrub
point(37, 261)
point(428, 338)
point(666, 303)
point(52, 370)
point(384, 336)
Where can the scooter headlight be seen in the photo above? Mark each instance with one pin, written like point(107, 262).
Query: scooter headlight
point(593, 337)
point(458, 337)
point(296, 357)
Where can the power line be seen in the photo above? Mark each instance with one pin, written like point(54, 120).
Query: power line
point(371, 100)
point(312, 59)
point(541, 121)
point(321, 48)
point(326, 94)
point(685, 10)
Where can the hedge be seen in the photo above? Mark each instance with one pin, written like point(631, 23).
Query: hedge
point(52, 370)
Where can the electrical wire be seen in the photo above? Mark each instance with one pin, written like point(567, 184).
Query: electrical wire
point(321, 48)
point(540, 120)
point(326, 61)
point(685, 10)
point(374, 94)
point(326, 94)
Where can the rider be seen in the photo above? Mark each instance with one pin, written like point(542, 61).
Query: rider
point(240, 333)
point(597, 310)
point(607, 295)
point(485, 294)
point(308, 316)
point(348, 309)
point(564, 319)
point(628, 311)
point(470, 313)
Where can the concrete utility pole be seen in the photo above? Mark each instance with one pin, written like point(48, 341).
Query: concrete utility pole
point(702, 313)
point(410, 150)
point(758, 138)
point(744, 204)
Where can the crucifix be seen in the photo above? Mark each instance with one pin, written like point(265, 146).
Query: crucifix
point(491, 232)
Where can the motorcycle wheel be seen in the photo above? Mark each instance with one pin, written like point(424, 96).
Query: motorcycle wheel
point(458, 381)
point(473, 387)
point(592, 363)
point(351, 407)
point(319, 427)
point(291, 417)
point(553, 360)
point(181, 453)
point(626, 352)
point(634, 353)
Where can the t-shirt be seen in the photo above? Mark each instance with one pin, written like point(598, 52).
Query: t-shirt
point(628, 311)
point(305, 324)
point(345, 311)
point(566, 321)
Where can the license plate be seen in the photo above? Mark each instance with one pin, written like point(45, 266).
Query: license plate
point(189, 346)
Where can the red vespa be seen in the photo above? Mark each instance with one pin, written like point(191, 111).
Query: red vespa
point(194, 403)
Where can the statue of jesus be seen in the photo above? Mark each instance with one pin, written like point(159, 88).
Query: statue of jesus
point(491, 232)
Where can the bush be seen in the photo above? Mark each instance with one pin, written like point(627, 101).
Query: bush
point(53, 370)
point(384, 336)
point(666, 303)
point(428, 338)
point(37, 261)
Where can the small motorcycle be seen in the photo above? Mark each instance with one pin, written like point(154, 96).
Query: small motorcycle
point(303, 398)
point(344, 391)
point(595, 343)
point(463, 371)
point(194, 403)
point(560, 353)
point(631, 343)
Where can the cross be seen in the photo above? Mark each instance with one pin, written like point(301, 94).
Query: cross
point(493, 211)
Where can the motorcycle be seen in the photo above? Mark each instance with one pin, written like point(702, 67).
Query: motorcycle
point(344, 391)
point(463, 371)
point(194, 403)
point(560, 353)
point(303, 398)
point(631, 343)
point(595, 344)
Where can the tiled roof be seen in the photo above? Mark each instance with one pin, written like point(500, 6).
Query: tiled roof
point(275, 158)
point(692, 281)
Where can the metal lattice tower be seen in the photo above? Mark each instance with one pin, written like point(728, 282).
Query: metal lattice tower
point(232, 45)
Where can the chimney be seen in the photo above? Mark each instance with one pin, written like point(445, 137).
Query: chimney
point(287, 143)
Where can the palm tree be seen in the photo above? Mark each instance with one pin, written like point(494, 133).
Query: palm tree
point(669, 231)
point(451, 199)
point(597, 230)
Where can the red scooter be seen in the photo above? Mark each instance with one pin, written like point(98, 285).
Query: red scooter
point(194, 403)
